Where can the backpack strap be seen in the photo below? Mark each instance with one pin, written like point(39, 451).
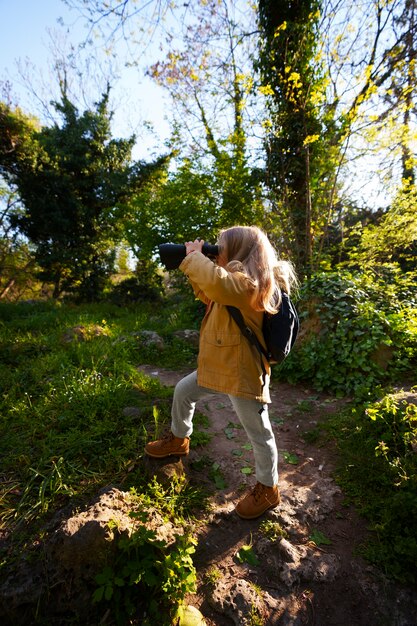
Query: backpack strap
point(249, 334)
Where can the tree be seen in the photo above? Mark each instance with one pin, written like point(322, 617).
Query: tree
point(207, 74)
point(370, 50)
point(300, 151)
point(393, 239)
point(74, 182)
point(16, 259)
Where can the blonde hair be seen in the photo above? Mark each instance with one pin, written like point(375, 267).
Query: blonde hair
point(247, 249)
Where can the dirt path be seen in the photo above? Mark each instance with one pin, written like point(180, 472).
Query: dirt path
point(294, 580)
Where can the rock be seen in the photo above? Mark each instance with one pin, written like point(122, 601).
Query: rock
point(72, 555)
point(84, 539)
point(189, 616)
point(150, 338)
point(302, 564)
point(189, 335)
point(83, 333)
point(237, 600)
point(312, 504)
point(164, 469)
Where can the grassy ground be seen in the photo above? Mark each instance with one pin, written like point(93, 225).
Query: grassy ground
point(68, 375)
point(63, 429)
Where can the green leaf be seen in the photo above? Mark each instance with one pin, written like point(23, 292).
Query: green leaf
point(219, 481)
point(247, 446)
point(247, 555)
point(291, 458)
point(108, 593)
point(98, 595)
point(246, 470)
point(319, 538)
point(229, 432)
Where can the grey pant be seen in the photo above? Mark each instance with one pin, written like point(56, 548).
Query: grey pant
point(253, 416)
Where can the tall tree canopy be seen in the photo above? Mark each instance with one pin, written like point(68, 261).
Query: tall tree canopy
point(299, 152)
point(74, 182)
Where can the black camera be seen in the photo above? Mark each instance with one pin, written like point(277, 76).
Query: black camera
point(172, 254)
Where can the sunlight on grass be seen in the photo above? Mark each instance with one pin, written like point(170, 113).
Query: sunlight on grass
point(63, 427)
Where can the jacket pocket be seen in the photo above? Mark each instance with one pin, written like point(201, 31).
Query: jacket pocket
point(220, 352)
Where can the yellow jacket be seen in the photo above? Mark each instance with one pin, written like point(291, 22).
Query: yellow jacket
point(227, 362)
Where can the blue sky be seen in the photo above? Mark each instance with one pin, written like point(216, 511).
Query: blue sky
point(23, 34)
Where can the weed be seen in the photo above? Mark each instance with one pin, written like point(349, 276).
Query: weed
point(217, 476)
point(246, 554)
point(200, 438)
point(212, 576)
point(255, 618)
point(290, 457)
point(312, 436)
point(319, 538)
point(177, 499)
point(64, 428)
point(272, 530)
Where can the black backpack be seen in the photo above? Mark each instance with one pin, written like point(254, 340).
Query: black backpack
point(279, 329)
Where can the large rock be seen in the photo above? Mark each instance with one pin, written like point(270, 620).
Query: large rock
point(71, 556)
point(296, 563)
point(237, 600)
point(189, 335)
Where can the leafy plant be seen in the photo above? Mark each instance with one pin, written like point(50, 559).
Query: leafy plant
point(147, 579)
point(377, 442)
point(359, 332)
point(246, 555)
point(272, 530)
point(290, 458)
point(319, 538)
point(212, 576)
point(217, 476)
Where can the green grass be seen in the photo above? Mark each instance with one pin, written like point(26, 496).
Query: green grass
point(67, 374)
point(63, 430)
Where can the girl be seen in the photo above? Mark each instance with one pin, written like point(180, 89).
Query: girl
point(249, 276)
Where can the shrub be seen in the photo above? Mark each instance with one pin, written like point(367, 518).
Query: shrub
point(145, 286)
point(378, 442)
point(357, 331)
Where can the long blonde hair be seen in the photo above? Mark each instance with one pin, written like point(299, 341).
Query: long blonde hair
point(247, 249)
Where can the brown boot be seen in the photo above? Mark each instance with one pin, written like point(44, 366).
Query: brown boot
point(259, 500)
point(168, 446)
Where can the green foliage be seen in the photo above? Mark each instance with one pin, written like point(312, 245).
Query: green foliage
point(63, 429)
point(272, 530)
point(358, 331)
point(145, 286)
point(301, 151)
point(319, 538)
point(148, 579)
point(246, 555)
point(378, 445)
point(393, 239)
point(195, 200)
point(74, 181)
point(65, 433)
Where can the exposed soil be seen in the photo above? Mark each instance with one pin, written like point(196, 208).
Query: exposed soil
point(298, 582)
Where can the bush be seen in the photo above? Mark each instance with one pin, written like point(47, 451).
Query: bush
point(378, 442)
point(357, 332)
point(132, 291)
point(145, 286)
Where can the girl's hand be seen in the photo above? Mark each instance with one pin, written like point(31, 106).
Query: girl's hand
point(194, 246)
